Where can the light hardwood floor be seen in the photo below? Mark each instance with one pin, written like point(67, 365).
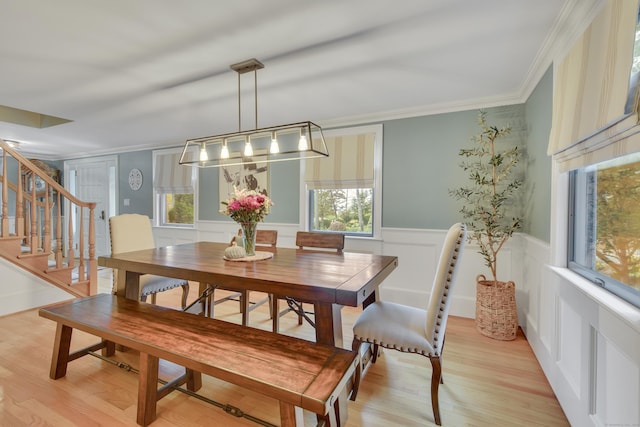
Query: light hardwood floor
point(486, 382)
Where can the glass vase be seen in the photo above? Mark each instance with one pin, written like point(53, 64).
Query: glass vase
point(249, 237)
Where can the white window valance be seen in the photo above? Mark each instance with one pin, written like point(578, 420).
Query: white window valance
point(171, 177)
point(591, 89)
point(350, 164)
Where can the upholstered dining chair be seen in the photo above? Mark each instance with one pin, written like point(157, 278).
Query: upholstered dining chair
point(263, 238)
point(308, 240)
point(132, 232)
point(413, 330)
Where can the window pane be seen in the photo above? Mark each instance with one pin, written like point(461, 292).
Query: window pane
point(606, 224)
point(177, 208)
point(618, 225)
point(349, 210)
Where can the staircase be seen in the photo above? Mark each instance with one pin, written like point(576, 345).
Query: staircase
point(44, 229)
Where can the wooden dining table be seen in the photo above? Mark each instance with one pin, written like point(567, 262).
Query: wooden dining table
point(327, 280)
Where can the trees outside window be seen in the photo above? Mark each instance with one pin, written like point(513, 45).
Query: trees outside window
point(348, 210)
point(604, 226)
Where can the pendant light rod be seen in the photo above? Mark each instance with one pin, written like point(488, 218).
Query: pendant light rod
point(242, 68)
point(239, 109)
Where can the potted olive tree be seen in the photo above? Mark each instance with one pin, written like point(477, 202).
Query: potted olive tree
point(489, 211)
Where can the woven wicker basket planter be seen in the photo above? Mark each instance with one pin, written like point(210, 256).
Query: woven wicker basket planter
point(496, 314)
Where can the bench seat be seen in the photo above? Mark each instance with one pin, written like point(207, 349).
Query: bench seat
point(298, 373)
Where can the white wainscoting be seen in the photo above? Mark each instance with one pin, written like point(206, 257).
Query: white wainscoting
point(586, 340)
point(418, 252)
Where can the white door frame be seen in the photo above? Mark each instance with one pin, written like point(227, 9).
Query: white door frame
point(110, 201)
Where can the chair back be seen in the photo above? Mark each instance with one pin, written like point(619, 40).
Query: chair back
point(440, 299)
point(263, 237)
point(130, 232)
point(309, 239)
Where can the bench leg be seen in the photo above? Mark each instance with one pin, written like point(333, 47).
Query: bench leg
point(290, 415)
point(109, 348)
point(341, 409)
point(337, 417)
point(194, 380)
point(60, 357)
point(147, 389)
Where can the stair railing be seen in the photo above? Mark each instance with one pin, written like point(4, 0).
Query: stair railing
point(35, 209)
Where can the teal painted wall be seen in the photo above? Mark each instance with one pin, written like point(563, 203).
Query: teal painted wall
point(140, 201)
point(421, 165)
point(285, 192)
point(208, 199)
point(538, 113)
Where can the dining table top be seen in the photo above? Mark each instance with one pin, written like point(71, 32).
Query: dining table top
point(346, 278)
point(328, 280)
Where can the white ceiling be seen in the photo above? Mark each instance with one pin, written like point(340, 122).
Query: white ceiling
point(136, 74)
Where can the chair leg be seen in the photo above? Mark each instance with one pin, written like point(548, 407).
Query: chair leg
point(436, 376)
point(244, 307)
point(207, 302)
point(271, 297)
point(185, 294)
point(242, 302)
point(275, 314)
point(374, 356)
point(298, 308)
point(300, 311)
point(357, 376)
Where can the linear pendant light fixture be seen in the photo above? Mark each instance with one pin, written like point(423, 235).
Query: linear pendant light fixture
point(295, 141)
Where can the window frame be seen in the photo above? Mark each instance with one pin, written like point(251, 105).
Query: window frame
point(305, 194)
point(159, 207)
point(622, 290)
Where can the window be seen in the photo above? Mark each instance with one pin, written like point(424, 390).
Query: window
point(174, 188)
point(605, 225)
point(342, 190)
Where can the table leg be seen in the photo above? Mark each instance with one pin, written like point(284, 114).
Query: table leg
point(131, 286)
point(328, 319)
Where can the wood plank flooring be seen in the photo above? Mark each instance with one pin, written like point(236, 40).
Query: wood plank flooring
point(486, 382)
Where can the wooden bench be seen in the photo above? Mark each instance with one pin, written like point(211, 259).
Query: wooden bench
point(297, 373)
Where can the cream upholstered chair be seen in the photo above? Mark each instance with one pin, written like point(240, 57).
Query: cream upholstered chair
point(132, 232)
point(309, 240)
point(413, 330)
point(263, 238)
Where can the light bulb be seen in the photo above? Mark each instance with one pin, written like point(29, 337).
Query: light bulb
point(274, 148)
point(248, 149)
point(203, 154)
point(303, 144)
point(224, 152)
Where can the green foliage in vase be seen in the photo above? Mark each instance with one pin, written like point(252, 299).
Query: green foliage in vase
point(489, 197)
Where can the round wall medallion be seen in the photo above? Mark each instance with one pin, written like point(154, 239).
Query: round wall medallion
point(135, 179)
